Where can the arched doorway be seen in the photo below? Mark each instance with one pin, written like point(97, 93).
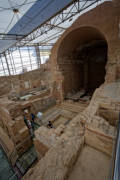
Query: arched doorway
point(82, 57)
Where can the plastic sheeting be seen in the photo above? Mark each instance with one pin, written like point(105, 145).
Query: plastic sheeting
point(37, 15)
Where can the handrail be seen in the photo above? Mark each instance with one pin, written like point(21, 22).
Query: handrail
point(116, 163)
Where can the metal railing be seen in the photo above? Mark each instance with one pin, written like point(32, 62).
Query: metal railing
point(115, 169)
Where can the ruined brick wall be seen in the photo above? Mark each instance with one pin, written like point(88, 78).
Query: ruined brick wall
point(104, 24)
point(24, 82)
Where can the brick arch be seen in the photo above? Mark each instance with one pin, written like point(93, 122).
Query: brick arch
point(100, 23)
point(73, 66)
point(104, 18)
point(77, 37)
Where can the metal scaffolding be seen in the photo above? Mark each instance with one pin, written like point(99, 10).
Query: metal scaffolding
point(25, 55)
point(23, 59)
point(77, 7)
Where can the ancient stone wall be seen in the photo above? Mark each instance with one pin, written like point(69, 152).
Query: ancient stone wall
point(22, 83)
point(13, 125)
point(58, 161)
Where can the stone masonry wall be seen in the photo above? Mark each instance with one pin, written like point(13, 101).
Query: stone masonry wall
point(24, 82)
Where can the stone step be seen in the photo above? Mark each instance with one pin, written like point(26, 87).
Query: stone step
point(72, 107)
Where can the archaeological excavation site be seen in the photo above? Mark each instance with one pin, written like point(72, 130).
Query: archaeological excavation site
point(60, 90)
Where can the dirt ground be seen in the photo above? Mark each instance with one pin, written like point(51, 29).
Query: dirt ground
point(91, 165)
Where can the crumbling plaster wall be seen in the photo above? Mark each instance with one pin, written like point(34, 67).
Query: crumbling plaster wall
point(104, 18)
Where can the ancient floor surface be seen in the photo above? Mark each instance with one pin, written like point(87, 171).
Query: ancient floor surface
point(91, 165)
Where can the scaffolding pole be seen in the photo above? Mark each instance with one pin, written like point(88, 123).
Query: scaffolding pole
point(7, 63)
point(38, 56)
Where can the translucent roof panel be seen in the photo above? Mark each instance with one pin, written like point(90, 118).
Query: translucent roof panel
point(8, 17)
point(23, 21)
point(24, 16)
point(53, 35)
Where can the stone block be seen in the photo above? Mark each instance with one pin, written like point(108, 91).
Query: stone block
point(99, 141)
point(24, 133)
point(40, 148)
